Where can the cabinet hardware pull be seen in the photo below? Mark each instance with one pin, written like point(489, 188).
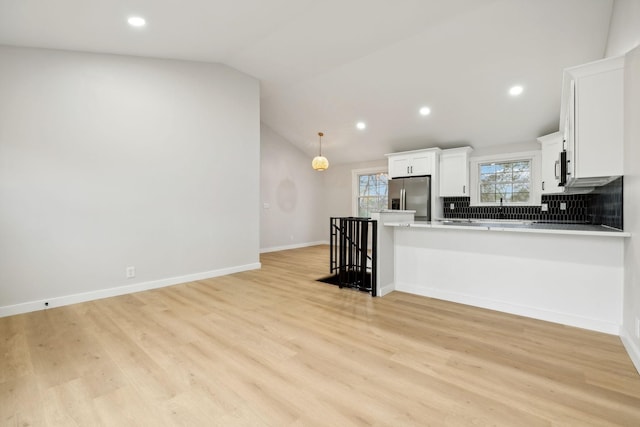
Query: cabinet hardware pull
point(555, 169)
point(464, 189)
point(542, 185)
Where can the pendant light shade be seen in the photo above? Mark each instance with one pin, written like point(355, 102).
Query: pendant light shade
point(320, 162)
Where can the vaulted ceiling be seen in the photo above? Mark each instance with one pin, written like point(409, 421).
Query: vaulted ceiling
point(325, 65)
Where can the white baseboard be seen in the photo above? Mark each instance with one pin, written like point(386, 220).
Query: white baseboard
point(27, 307)
point(520, 310)
point(296, 246)
point(386, 289)
point(632, 348)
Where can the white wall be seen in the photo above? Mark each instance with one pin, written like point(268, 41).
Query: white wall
point(624, 29)
point(110, 161)
point(632, 205)
point(292, 192)
point(516, 147)
point(624, 38)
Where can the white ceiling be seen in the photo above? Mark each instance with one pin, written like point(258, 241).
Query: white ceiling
point(324, 65)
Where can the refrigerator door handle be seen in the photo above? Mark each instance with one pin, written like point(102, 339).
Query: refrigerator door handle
point(402, 199)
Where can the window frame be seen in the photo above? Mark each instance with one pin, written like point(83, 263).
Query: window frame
point(355, 184)
point(535, 195)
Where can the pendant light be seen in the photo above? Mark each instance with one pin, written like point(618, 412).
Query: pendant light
point(320, 162)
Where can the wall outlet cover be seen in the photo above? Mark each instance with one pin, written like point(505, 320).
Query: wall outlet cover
point(563, 206)
point(544, 207)
point(130, 272)
point(452, 206)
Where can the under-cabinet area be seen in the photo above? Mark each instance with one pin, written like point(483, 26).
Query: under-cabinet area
point(601, 206)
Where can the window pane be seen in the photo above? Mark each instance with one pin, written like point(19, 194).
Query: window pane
point(373, 190)
point(487, 169)
point(487, 188)
point(509, 181)
point(521, 166)
point(503, 177)
point(522, 177)
point(487, 197)
point(521, 192)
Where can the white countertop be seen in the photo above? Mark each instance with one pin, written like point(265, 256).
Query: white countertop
point(394, 211)
point(514, 227)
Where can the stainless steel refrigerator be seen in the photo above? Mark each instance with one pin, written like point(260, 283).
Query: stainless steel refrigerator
point(412, 194)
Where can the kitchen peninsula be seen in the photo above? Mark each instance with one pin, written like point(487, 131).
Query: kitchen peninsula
point(568, 276)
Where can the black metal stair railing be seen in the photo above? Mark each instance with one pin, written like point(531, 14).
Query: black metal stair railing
point(353, 250)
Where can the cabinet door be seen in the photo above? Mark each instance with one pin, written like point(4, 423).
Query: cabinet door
point(599, 125)
point(569, 143)
point(399, 166)
point(592, 117)
point(422, 164)
point(454, 174)
point(551, 149)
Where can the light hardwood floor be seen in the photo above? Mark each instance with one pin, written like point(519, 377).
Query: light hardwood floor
point(274, 347)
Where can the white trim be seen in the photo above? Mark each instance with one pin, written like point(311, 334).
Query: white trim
point(507, 307)
point(386, 289)
point(296, 246)
point(474, 172)
point(632, 348)
point(27, 307)
point(354, 184)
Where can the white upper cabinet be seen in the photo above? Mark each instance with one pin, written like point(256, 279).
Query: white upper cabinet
point(550, 163)
point(454, 172)
point(591, 118)
point(412, 163)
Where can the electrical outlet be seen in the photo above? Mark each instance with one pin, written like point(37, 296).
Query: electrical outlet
point(563, 206)
point(452, 206)
point(266, 205)
point(544, 207)
point(130, 272)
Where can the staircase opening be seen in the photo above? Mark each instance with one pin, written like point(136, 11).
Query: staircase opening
point(353, 253)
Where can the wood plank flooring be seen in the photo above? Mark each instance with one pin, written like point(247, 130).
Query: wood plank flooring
point(273, 347)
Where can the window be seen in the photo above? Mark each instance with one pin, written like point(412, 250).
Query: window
point(505, 181)
point(370, 191)
point(507, 177)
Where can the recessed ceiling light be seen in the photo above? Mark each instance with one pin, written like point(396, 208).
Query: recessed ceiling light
point(361, 125)
point(137, 21)
point(516, 90)
point(425, 111)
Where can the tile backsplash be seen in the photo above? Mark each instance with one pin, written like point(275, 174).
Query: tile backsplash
point(602, 206)
point(606, 205)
